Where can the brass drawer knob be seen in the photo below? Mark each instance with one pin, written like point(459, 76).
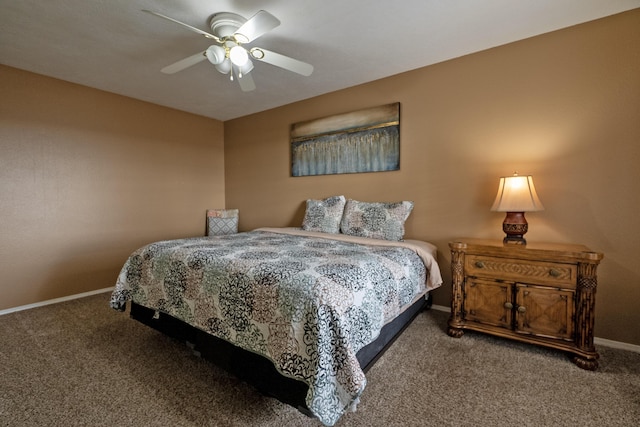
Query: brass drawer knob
point(508, 305)
point(554, 273)
point(479, 264)
point(522, 309)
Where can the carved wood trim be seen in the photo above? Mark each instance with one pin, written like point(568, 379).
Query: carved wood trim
point(585, 306)
point(457, 297)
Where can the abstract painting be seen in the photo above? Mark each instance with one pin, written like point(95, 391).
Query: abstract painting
point(361, 141)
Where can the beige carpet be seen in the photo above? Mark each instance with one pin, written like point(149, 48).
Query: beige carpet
point(79, 363)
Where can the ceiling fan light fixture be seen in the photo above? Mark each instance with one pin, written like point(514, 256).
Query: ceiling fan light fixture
point(230, 31)
point(238, 55)
point(224, 67)
point(215, 54)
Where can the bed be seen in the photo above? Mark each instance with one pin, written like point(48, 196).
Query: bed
point(300, 314)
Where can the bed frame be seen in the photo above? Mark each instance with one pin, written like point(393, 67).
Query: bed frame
point(258, 370)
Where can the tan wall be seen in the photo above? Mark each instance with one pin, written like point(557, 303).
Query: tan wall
point(563, 107)
point(86, 177)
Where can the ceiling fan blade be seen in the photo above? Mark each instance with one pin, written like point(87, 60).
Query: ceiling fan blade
point(281, 61)
point(256, 26)
point(194, 29)
point(184, 63)
point(246, 83)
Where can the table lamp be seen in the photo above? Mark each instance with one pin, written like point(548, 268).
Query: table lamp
point(516, 195)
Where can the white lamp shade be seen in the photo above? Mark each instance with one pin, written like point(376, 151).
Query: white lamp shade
point(215, 54)
point(224, 67)
point(517, 194)
point(238, 55)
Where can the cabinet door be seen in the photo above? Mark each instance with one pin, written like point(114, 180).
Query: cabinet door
point(544, 311)
point(488, 301)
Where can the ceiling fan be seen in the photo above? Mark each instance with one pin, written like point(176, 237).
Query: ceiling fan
point(230, 32)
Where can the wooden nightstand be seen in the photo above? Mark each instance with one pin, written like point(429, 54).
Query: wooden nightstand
point(541, 293)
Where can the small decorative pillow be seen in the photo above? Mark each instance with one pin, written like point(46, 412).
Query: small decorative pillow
point(324, 215)
point(375, 220)
point(221, 222)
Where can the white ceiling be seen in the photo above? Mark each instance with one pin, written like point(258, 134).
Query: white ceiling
point(111, 45)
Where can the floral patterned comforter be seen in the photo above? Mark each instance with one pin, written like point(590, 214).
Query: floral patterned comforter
point(305, 301)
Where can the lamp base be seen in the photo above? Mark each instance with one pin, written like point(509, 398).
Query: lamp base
point(515, 226)
point(514, 240)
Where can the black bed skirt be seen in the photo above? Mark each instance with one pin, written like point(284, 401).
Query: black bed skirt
point(258, 370)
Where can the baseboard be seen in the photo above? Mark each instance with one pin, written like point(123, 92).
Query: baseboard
point(598, 341)
point(55, 301)
point(616, 344)
point(441, 308)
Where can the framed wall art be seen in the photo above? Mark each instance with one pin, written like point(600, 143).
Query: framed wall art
point(361, 141)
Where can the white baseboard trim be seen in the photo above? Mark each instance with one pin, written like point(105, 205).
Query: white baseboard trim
point(616, 344)
point(441, 308)
point(599, 341)
point(55, 301)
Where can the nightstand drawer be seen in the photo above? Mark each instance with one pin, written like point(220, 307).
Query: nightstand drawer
point(518, 270)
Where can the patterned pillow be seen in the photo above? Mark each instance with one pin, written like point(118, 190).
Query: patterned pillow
point(375, 220)
point(222, 221)
point(324, 215)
